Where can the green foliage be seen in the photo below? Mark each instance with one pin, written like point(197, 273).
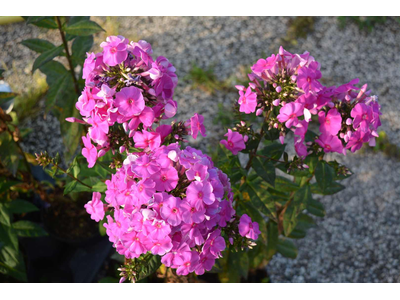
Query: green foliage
point(11, 260)
point(364, 23)
point(298, 27)
point(146, 265)
point(384, 145)
point(265, 170)
point(206, 80)
point(64, 84)
point(236, 266)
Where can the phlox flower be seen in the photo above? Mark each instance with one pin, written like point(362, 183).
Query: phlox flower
point(264, 64)
point(234, 143)
point(247, 228)
point(114, 50)
point(159, 247)
point(171, 211)
point(158, 230)
point(247, 101)
point(206, 262)
point(200, 192)
point(215, 243)
point(307, 80)
point(166, 179)
point(192, 213)
point(361, 114)
point(95, 207)
point(330, 143)
point(89, 151)
point(331, 123)
point(147, 140)
point(189, 263)
point(195, 125)
point(174, 258)
point(289, 114)
point(357, 139)
point(129, 101)
point(197, 172)
point(135, 242)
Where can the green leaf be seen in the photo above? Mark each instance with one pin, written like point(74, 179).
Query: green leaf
point(102, 229)
point(148, 269)
point(316, 208)
point(264, 169)
point(13, 272)
point(259, 199)
point(305, 223)
point(38, 45)
point(74, 168)
point(9, 153)
point(70, 187)
point(8, 237)
point(272, 242)
point(298, 204)
point(293, 172)
point(80, 46)
point(311, 161)
point(324, 175)
point(28, 229)
point(20, 206)
point(46, 57)
point(73, 20)
point(334, 188)
point(53, 71)
point(237, 266)
point(99, 187)
point(83, 28)
point(5, 186)
point(45, 22)
point(11, 260)
point(285, 185)
point(274, 150)
point(287, 248)
point(4, 215)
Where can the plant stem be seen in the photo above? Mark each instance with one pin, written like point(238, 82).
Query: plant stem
point(72, 176)
point(71, 67)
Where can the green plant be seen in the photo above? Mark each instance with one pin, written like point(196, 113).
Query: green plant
point(384, 145)
point(206, 80)
point(298, 27)
point(364, 23)
point(16, 183)
point(64, 83)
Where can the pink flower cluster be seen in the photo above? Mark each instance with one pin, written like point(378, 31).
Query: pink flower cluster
point(173, 203)
point(285, 89)
point(164, 200)
point(124, 85)
point(350, 118)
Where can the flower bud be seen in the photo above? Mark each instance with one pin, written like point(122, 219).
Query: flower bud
point(278, 89)
point(259, 112)
point(349, 121)
point(276, 102)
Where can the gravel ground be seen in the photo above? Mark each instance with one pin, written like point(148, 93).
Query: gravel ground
point(357, 241)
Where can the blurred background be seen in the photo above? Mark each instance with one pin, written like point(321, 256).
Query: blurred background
point(356, 241)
